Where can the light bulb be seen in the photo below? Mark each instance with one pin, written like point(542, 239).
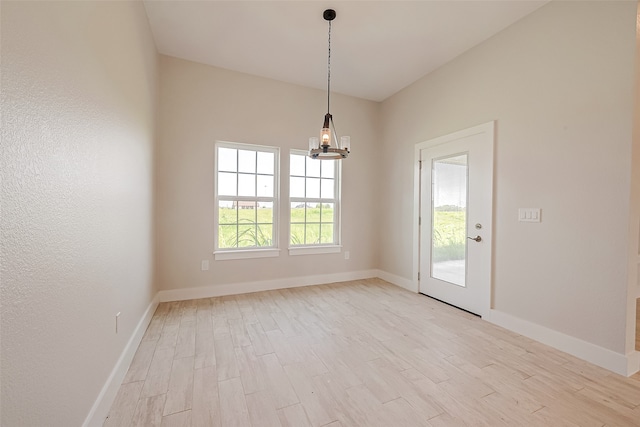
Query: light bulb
point(325, 137)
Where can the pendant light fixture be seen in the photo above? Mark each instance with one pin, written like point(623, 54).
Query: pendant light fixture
point(321, 148)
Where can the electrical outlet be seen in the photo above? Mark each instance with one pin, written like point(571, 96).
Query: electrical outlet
point(205, 265)
point(117, 318)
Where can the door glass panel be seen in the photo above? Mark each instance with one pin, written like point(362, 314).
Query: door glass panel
point(449, 216)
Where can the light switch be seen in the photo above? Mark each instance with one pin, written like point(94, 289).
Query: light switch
point(205, 265)
point(529, 214)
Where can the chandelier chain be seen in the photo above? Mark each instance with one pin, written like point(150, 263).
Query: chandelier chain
point(329, 71)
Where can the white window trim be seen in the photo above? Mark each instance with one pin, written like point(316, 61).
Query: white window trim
point(314, 249)
point(320, 248)
point(221, 254)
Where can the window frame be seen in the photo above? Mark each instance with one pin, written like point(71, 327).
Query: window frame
point(251, 251)
point(318, 248)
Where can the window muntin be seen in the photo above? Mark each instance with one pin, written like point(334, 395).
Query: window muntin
point(314, 202)
point(246, 193)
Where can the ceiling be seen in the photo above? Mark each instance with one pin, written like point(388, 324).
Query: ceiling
point(377, 48)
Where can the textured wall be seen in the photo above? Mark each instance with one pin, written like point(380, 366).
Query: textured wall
point(560, 85)
point(634, 211)
point(78, 106)
point(200, 104)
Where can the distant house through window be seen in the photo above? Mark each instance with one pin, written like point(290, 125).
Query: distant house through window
point(246, 197)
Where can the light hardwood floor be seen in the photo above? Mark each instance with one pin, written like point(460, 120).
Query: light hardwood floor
point(362, 353)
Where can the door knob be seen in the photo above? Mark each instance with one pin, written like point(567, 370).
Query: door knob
point(477, 238)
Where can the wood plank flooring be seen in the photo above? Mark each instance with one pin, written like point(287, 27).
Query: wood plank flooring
point(361, 353)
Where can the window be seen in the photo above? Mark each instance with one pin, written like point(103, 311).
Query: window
point(314, 188)
point(246, 194)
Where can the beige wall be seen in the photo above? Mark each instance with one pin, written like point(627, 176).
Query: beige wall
point(200, 104)
point(78, 106)
point(560, 85)
point(634, 211)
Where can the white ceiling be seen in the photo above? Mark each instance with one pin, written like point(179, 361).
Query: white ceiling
point(377, 48)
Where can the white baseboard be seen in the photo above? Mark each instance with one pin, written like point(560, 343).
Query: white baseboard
point(102, 405)
point(398, 281)
point(633, 363)
point(621, 364)
point(264, 285)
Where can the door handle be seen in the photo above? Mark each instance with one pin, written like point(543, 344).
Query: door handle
point(477, 238)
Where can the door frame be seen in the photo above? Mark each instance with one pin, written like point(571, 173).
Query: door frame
point(485, 128)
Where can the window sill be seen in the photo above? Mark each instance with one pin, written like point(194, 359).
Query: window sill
point(314, 250)
point(246, 254)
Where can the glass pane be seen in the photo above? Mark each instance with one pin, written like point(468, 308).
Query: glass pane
point(327, 186)
point(313, 187)
point(297, 212)
point(328, 168)
point(297, 234)
point(227, 159)
point(246, 185)
point(264, 216)
point(265, 163)
point(246, 211)
point(327, 233)
point(297, 164)
point(246, 235)
point(265, 212)
point(264, 235)
point(246, 161)
point(313, 167)
point(227, 184)
point(313, 212)
point(296, 187)
point(449, 214)
point(265, 186)
point(312, 234)
point(327, 212)
point(227, 214)
point(227, 236)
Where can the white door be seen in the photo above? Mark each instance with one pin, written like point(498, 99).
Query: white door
point(456, 200)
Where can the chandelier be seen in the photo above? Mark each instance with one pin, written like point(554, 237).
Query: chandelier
point(321, 148)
